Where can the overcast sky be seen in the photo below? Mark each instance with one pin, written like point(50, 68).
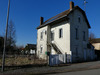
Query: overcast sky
point(26, 16)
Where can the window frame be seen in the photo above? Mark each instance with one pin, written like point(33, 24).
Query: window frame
point(52, 35)
point(79, 19)
point(61, 33)
point(41, 35)
point(41, 49)
point(84, 36)
point(76, 33)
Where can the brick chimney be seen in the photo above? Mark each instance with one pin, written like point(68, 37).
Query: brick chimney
point(41, 20)
point(71, 5)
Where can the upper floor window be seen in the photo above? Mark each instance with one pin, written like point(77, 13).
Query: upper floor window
point(84, 36)
point(79, 19)
point(45, 32)
point(76, 31)
point(60, 33)
point(52, 35)
point(41, 35)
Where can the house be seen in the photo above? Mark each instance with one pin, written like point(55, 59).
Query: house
point(30, 49)
point(96, 43)
point(65, 33)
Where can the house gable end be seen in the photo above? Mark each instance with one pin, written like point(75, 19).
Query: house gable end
point(82, 12)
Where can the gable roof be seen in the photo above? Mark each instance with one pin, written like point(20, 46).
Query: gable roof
point(63, 15)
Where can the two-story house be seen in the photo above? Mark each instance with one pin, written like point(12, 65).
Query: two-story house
point(65, 33)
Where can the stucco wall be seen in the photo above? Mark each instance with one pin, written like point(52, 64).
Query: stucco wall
point(78, 43)
point(64, 42)
point(96, 46)
point(42, 42)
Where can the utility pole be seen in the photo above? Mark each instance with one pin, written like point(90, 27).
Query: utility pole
point(85, 5)
point(5, 39)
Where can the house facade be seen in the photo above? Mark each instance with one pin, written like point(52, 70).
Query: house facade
point(65, 33)
point(96, 43)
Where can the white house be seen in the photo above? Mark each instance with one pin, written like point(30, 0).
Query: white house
point(96, 43)
point(65, 33)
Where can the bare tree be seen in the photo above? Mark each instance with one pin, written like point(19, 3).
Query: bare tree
point(11, 34)
point(11, 37)
point(92, 37)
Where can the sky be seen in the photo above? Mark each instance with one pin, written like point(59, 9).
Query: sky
point(26, 14)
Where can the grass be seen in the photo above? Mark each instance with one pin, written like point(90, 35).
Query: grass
point(17, 62)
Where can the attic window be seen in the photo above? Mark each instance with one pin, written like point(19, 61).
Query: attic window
point(79, 19)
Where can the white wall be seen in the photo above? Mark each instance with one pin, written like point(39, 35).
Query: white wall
point(64, 42)
point(42, 42)
point(78, 43)
point(96, 46)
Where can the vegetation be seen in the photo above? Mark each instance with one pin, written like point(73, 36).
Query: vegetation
point(11, 39)
point(1, 44)
point(22, 60)
point(91, 37)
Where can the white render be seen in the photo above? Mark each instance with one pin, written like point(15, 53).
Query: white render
point(96, 46)
point(42, 42)
point(68, 43)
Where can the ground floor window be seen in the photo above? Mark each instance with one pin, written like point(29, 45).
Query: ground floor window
point(41, 49)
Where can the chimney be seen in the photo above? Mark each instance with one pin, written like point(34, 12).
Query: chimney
point(71, 5)
point(41, 20)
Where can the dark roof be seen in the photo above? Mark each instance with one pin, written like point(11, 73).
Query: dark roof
point(97, 40)
point(63, 15)
point(31, 45)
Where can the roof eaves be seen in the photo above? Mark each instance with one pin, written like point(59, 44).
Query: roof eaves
point(51, 22)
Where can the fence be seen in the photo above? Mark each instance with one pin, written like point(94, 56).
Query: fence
point(57, 59)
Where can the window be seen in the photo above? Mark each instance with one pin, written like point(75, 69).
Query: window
point(79, 19)
point(52, 35)
point(41, 35)
point(45, 32)
point(83, 35)
point(60, 33)
point(41, 49)
point(76, 31)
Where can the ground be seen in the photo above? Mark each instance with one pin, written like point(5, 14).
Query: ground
point(86, 72)
point(33, 70)
point(21, 61)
